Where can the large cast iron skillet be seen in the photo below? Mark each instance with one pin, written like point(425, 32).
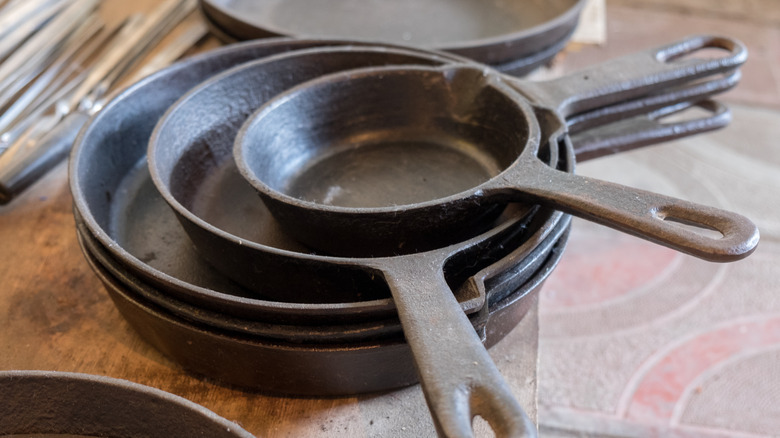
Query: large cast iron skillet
point(48, 403)
point(296, 368)
point(493, 32)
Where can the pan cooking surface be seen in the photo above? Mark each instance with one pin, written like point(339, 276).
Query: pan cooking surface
point(392, 173)
point(431, 23)
point(226, 201)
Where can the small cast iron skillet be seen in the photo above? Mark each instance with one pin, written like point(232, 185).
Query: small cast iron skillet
point(327, 156)
point(57, 403)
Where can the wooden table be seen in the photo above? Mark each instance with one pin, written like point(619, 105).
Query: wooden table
point(55, 315)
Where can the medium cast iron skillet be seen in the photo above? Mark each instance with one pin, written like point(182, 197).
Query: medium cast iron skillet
point(493, 32)
point(191, 163)
point(298, 368)
point(327, 157)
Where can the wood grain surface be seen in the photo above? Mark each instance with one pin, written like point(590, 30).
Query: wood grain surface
point(55, 315)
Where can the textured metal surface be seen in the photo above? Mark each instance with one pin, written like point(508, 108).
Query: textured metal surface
point(48, 403)
point(503, 277)
point(304, 368)
point(491, 32)
point(416, 112)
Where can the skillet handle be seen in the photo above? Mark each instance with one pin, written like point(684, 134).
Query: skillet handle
point(644, 214)
point(457, 375)
point(648, 129)
point(635, 75)
point(687, 93)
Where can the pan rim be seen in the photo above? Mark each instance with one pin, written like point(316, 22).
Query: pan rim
point(123, 388)
point(568, 15)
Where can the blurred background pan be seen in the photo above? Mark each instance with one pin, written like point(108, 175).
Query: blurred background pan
point(490, 31)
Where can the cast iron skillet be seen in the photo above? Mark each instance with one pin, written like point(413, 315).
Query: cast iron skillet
point(191, 163)
point(107, 176)
point(300, 369)
point(493, 32)
point(59, 403)
point(318, 156)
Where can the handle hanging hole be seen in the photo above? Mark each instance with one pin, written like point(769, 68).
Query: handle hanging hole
point(693, 227)
point(704, 48)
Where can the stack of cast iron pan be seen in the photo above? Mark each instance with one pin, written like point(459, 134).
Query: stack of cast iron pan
point(197, 264)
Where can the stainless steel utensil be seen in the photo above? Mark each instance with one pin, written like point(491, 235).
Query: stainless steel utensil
point(48, 140)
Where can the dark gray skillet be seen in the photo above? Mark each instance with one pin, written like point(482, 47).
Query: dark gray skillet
point(49, 403)
point(300, 369)
point(318, 155)
point(492, 32)
point(107, 174)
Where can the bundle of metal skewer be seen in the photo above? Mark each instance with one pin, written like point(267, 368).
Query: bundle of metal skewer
point(59, 63)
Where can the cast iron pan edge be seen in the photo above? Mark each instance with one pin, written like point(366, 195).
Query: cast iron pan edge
point(277, 367)
point(49, 402)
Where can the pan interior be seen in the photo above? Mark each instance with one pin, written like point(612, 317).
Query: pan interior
point(386, 138)
point(429, 23)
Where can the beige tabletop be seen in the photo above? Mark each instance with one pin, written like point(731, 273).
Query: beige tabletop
point(55, 315)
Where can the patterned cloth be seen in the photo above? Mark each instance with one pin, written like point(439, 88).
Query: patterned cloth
point(637, 340)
